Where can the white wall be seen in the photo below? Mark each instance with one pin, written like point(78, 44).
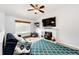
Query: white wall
point(2, 29)
point(2, 21)
point(67, 23)
point(67, 19)
point(32, 26)
point(10, 24)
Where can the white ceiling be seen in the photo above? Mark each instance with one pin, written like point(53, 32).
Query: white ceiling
point(20, 10)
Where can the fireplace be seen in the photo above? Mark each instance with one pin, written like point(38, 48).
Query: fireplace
point(48, 35)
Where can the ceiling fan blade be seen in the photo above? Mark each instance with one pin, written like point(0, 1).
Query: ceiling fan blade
point(30, 9)
point(41, 11)
point(41, 7)
point(32, 5)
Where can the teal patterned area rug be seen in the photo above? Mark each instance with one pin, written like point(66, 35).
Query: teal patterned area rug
point(44, 47)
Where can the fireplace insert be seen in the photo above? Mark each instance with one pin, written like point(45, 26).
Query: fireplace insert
point(48, 35)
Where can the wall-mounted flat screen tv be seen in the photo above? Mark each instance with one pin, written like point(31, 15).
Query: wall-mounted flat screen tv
point(49, 22)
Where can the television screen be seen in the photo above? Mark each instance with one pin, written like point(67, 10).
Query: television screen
point(49, 22)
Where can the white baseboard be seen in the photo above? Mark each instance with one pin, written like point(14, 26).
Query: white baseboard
point(66, 45)
point(70, 46)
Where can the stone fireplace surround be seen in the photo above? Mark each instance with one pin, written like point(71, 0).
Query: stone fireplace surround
point(55, 32)
point(49, 29)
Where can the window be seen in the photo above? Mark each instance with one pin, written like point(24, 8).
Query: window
point(22, 27)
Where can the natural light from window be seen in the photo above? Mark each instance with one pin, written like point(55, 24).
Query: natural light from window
point(22, 27)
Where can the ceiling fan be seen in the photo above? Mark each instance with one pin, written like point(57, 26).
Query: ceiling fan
point(36, 8)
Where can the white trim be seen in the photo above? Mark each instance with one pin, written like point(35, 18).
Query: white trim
point(70, 46)
point(65, 44)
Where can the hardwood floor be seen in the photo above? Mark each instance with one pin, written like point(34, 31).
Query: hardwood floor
point(32, 39)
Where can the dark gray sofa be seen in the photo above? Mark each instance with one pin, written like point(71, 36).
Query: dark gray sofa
point(11, 41)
